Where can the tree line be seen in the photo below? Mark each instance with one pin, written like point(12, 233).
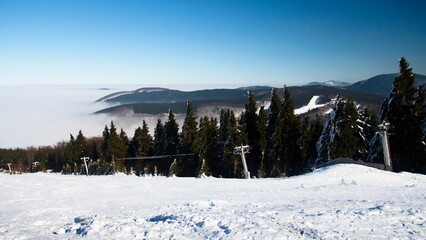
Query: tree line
point(281, 143)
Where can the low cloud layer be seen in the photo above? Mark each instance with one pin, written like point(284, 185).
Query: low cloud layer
point(44, 115)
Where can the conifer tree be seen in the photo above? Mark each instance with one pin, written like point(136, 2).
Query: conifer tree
point(347, 141)
point(343, 134)
point(313, 134)
point(105, 141)
point(287, 138)
point(262, 123)
point(113, 145)
point(189, 144)
point(270, 163)
point(71, 153)
point(159, 138)
point(140, 146)
point(81, 144)
point(404, 109)
point(224, 124)
point(250, 122)
point(136, 143)
point(209, 146)
point(231, 166)
point(162, 165)
point(171, 138)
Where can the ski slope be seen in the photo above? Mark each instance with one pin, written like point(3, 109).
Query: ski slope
point(338, 202)
point(311, 106)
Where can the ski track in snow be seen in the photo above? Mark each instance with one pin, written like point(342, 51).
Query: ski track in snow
point(338, 202)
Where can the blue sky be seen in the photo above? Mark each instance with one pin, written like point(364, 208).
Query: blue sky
point(200, 42)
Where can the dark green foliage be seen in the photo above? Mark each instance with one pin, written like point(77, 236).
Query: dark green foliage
point(311, 132)
point(270, 162)
point(189, 144)
point(209, 146)
point(287, 139)
point(141, 145)
point(75, 150)
point(105, 142)
point(262, 124)
point(158, 138)
point(347, 140)
point(404, 109)
point(163, 165)
point(250, 122)
point(171, 137)
point(114, 146)
point(166, 144)
point(341, 137)
point(231, 163)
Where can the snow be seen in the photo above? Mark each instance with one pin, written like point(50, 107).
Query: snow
point(338, 202)
point(311, 105)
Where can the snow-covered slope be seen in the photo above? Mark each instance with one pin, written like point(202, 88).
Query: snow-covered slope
point(311, 106)
point(338, 202)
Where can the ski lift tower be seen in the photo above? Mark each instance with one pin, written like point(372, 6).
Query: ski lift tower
point(383, 128)
point(85, 159)
point(10, 169)
point(241, 151)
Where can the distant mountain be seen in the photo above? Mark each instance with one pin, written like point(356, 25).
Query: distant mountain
point(143, 101)
point(382, 84)
point(163, 95)
point(330, 83)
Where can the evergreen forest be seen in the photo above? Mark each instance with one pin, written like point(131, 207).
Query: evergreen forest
point(280, 142)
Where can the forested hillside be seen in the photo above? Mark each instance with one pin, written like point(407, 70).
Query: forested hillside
point(280, 142)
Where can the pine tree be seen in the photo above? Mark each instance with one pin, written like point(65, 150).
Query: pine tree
point(171, 138)
point(209, 146)
point(315, 130)
point(343, 135)
point(224, 124)
point(135, 143)
point(347, 141)
point(189, 144)
point(250, 121)
point(287, 138)
point(162, 165)
point(105, 142)
point(367, 130)
point(159, 138)
point(113, 146)
point(404, 109)
point(81, 145)
point(71, 154)
point(270, 163)
point(262, 123)
point(231, 166)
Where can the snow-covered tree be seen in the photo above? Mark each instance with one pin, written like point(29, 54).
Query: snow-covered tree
point(404, 109)
point(345, 134)
point(311, 132)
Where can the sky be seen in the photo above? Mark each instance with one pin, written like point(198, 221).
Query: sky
point(221, 43)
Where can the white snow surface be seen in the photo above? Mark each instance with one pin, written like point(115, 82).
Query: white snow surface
point(339, 202)
point(311, 105)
